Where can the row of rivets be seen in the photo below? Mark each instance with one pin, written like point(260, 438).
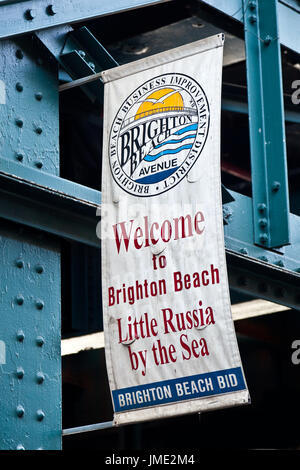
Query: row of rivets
point(21, 336)
point(40, 415)
point(38, 268)
point(38, 96)
point(20, 156)
point(20, 123)
point(40, 378)
point(20, 300)
point(31, 13)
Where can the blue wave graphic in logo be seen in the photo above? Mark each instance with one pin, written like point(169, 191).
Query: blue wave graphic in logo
point(192, 127)
point(152, 158)
point(174, 145)
point(175, 141)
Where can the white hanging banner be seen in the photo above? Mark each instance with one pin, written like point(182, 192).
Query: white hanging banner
point(170, 342)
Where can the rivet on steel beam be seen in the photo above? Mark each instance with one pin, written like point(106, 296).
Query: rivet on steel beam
point(39, 304)
point(19, 54)
point(51, 10)
point(244, 251)
point(263, 237)
point(38, 130)
point(261, 207)
point(40, 341)
point(267, 40)
point(20, 372)
point(253, 19)
point(39, 269)
point(39, 164)
point(20, 335)
point(280, 263)
point(19, 86)
point(30, 14)
point(81, 53)
point(40, 415)
point(263, 222)
point(40, 377)
point(275, 186)
point(20, 299)
point(19, 122)
point(20, 411)
point(263, 258)
point(38, 96)
point(20, 447)
point(19, 157)
point(92, 65)
point(252, 5)
point(20, 263)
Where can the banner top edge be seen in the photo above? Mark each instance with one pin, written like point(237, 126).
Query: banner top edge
point(171, 55)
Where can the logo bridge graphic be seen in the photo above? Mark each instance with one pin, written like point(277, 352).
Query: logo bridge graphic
point(170, 110)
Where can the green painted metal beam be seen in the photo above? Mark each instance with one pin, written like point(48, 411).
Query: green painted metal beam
point(23, 16)
point(266, 124)
point(288, 18)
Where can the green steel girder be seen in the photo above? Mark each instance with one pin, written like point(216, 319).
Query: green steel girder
point(80, 54)
point(288, 18)
point(25, 16)
point(30, 376)
point(266, 124)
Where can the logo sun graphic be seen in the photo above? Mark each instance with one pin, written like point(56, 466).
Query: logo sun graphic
point(166, 99)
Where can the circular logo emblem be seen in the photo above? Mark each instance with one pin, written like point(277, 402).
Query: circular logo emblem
point(158, 134)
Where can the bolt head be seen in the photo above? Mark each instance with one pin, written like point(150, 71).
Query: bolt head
point(20, 372)
point(261, 207)
point(39, 269)
point(263, 222)
point(20, 335)
point(20, 299)
point(20, 411)
point(38, 96)
point(19, 122)
point(40, 415)
point(40, 341)
point(19, 87)
point(51, 10)
point(20, 263)
point(39, 304)
point(39, 165)
point(275, 186)
point(38, 130)
point(30, 14)
point(19, 157)
point(40, 377)
point(252, 19)
point(19, 54)
point(263, 237)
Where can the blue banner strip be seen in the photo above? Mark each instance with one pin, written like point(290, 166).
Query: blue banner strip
point(176, 390)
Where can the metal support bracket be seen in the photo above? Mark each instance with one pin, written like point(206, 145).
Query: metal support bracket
point(266, 122)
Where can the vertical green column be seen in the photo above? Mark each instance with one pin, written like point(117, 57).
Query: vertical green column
point(30, 359)
point(266, 123)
